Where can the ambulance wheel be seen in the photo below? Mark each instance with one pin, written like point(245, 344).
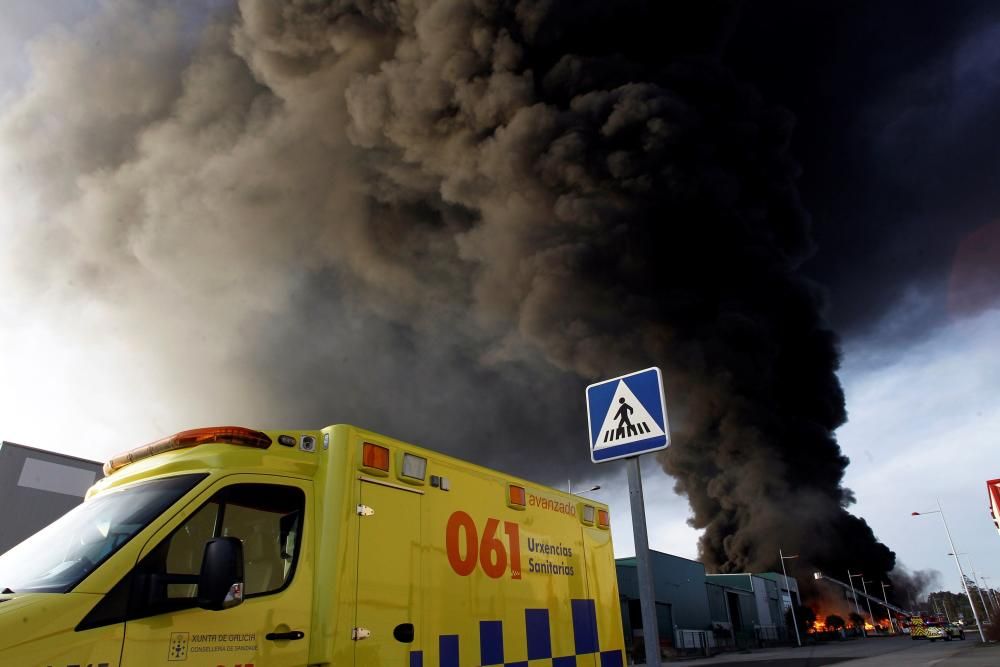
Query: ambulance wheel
point(932, 640)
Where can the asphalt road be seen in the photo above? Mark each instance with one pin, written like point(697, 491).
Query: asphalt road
point(872, 652)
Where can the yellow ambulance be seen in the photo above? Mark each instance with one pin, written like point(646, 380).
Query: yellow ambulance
point(230, 547)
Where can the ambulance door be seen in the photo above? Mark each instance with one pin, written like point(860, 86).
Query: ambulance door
point(387, 619)
point(165, 625)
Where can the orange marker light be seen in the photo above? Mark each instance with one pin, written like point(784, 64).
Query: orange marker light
point(516, 495)
point(603, 519)
point(375, 456)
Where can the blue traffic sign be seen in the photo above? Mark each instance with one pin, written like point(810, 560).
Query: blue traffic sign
point(627, 416)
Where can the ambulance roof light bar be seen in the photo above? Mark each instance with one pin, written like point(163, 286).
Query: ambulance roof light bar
point(233, 435)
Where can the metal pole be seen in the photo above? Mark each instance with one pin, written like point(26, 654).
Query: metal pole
point(989, 591)
point(888, 612)
point(857, 609)
point(868, 601)
point(975, 579)
point(795, 623)
point(961, 573)
point(647, 601)
point(944, 608)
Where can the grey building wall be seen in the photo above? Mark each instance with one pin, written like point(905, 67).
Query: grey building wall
point(765, 592)
point(717, 608)
point(38, 487)
point(788, 587)
point(678, 583)
point(786, 593)
point(739, 605)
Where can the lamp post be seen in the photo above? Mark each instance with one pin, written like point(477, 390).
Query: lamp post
point(569, 488)
point(888, 613)
point(991, 592)
point(975, 580)
point(868, 601)
point(958, 564)
point(857, 609)
point(942, 610)
point(795, 623)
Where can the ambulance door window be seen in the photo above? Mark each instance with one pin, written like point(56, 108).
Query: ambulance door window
point(268, 551)
point(266, 518)
point(166, 627)
point(186, 547)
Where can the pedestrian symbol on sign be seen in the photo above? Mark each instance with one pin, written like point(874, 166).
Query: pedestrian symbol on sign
point(623, 420)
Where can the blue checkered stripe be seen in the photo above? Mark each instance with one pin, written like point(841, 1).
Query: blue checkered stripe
point(539, 635)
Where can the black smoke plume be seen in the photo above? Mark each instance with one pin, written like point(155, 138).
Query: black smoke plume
point(317, 206)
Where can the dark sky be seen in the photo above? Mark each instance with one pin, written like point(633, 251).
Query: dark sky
point(895, 106)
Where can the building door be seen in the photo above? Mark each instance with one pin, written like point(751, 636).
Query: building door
point(665, 624)
point(735, 612)
point(387, 620)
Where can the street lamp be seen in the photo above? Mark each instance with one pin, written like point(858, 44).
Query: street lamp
point(569, 488)
point(857, 609)
point(885, 597)
point(958, 564)
point(992, 593)
point(975, 579)
point(943, 608)
point(795, 623)
point(868, 601)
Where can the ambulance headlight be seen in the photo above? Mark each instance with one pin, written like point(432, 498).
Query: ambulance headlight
point(414, 467)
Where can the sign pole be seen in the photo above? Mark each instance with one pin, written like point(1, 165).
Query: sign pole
point(627, 417)
point(647, 600)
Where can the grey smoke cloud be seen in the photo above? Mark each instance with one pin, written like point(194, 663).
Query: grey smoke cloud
point(439, 219)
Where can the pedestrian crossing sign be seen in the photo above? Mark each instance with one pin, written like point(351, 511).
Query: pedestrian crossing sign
point(627, 416)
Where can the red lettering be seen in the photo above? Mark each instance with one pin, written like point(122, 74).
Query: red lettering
point(463, 565)
point(492, 555)
point(514, 541)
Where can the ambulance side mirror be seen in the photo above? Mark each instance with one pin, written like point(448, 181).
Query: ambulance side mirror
point(220, 583)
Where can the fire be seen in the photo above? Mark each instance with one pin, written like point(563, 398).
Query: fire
point(820, 626)
point(822, 613)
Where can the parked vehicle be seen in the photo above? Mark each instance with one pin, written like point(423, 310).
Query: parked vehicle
point(229, 546)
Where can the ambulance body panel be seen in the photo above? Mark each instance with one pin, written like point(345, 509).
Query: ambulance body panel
point(358, 550)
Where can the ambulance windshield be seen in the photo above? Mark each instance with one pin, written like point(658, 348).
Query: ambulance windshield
point(59, 557)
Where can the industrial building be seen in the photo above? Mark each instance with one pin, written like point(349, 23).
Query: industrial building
point(38, 487)
point(699, 612)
